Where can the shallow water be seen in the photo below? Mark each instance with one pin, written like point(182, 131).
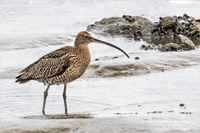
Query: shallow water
point(30, 29)
point(38, 23)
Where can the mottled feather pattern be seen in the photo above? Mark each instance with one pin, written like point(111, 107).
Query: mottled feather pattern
point(78, 63)
point(55, 54)
point(60, 66)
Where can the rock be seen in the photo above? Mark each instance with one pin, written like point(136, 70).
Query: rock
point(191, 19)
point(193, 32)
point(181, 105)
point(115, 57)
point(148, 47)
point(143, 46)
point(161, 48)
point(128, 26)
point(137, 35)
point(169, 27)
point(187, 43)
point(183, 43)
point(165, 31)
point(198, 20)
point(185, 15)
point(129, 18)
point(137, 58)
point(147, 68)
point(167, 23)
point(172, 47)
point(162, 32)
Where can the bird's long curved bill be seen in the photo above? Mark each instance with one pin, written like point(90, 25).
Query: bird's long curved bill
point(99, 41)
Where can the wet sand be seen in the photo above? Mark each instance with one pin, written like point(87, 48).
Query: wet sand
point(167, 107)
point(171, 120)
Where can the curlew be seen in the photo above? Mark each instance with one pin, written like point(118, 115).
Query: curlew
point(61, 66)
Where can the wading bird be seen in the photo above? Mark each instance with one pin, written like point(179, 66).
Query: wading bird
point(62, 66)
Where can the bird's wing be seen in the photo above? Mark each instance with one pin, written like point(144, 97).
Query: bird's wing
point(58, 53)
point(50, 56)
point(46, 68)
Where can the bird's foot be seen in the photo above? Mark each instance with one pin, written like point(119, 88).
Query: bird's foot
point(43, 112)
point(66, 112)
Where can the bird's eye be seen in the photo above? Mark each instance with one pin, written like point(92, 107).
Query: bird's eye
point(86, 36)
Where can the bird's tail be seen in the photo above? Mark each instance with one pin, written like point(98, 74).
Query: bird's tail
point(21, 80)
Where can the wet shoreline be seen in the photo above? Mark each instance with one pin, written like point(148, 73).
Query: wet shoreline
point(150, 92)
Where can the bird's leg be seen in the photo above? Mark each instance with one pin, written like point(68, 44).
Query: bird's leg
point(64, 98)
point(45, 97)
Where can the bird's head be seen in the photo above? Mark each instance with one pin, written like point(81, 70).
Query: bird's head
point(84, 38)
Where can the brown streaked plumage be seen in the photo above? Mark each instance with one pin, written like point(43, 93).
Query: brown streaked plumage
point(61, 66)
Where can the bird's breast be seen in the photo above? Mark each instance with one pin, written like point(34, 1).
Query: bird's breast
point(78, 65)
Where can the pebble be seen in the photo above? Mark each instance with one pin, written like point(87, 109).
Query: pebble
point(137, 58)
point(143, 46)
point(148, 68)
point(115, 57)
point(181, 105)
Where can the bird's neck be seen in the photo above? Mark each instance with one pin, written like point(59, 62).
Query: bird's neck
point(83, 50)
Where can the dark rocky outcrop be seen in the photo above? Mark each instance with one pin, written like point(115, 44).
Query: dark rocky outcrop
point(128, 26)
point(168, 28)
point(163, 32)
